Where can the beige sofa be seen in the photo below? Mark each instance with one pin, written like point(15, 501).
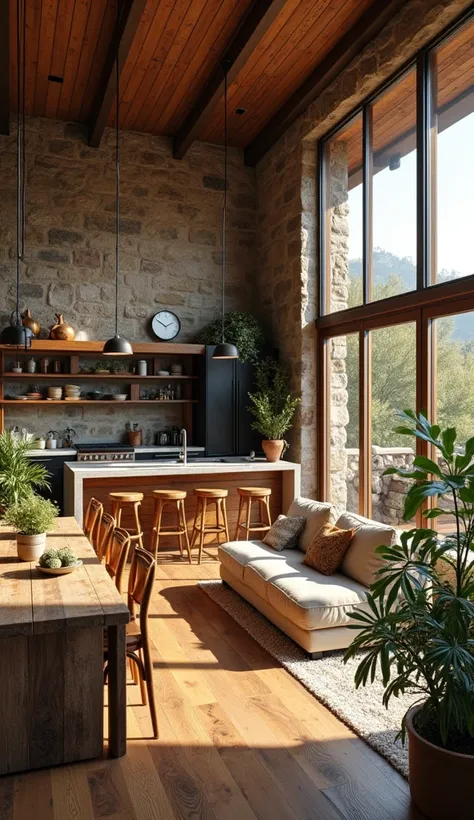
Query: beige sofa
point(311, 608)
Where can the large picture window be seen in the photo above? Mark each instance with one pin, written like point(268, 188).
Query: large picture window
point(396, 323)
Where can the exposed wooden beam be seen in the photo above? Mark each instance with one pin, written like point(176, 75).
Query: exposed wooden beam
point(5, 67)
point(255, 25)
point(356, 39)
point(130, 16)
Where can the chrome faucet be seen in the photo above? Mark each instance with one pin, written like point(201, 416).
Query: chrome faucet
point(183, 453)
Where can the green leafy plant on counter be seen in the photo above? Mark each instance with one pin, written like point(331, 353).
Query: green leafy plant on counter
point(32, 515)
point(241, 329)
point(420, 628)
point(19, 474)
point(272, 404)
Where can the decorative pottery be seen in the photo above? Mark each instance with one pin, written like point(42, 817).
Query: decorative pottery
point(134, 438)
point(440, 781)
point(31, 365)
point(30, 547)
point(28, 321)
point(61, 331)
point(274, 448)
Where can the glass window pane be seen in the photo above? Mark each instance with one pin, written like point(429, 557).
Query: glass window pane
point(344, 217)
point(453, 338)
point(394, 189)
point(453, 157)
point(393, 389)
point(344, 422)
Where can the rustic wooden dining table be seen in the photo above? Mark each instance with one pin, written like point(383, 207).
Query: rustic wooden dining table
point(52, 657)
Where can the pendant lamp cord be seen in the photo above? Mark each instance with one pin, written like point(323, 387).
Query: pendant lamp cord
point(18, 157)
point(23, 140)
point(224, 206)
point(117, 166)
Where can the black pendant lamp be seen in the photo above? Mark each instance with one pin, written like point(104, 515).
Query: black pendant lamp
point(15, 333)
point(225, 350)
point(118, 346)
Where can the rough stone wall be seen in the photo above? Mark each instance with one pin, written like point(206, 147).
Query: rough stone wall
point(170, 243)
point(388, 491)
point(287, 210)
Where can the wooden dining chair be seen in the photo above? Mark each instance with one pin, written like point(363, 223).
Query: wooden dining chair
point(106, 528)
point(140, 586)
point(116, 555)
point(91, 521)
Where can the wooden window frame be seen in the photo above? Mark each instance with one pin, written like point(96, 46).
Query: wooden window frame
point(426, 303)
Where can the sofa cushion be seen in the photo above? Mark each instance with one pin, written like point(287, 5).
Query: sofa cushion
point(328, 548)
point(284, 532)
point(308, 598)
point(316, 513)
point(361, 561)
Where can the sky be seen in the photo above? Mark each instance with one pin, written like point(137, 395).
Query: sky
point(395, 204)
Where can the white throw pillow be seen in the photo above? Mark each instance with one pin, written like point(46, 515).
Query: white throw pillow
point(317, 513)
point(361, 561)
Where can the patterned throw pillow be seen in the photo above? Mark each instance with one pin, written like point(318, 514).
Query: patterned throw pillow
point(328, 548)
point(284, 532)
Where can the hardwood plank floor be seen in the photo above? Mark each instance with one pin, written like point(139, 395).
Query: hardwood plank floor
point(240, 739)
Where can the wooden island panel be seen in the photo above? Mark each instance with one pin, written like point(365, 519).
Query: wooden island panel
point(101, 486)
point(51, 656)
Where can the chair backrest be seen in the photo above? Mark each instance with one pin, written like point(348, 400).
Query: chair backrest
point(140, 584)
point(117, 554)
point(106, 528)
point(91, 521)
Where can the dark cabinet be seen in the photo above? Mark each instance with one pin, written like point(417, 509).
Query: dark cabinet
point(55, 468)
point(223, 421)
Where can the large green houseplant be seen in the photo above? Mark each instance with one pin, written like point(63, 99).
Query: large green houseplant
point(273, 406)
point(419, 631)
point(241, 329)
point(19, 474)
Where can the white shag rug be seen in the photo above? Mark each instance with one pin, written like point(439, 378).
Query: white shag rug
point(329, 679)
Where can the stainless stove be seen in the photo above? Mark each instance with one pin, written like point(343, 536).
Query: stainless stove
point(105, 452)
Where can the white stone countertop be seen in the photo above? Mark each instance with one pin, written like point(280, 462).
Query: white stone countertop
point(76, 472)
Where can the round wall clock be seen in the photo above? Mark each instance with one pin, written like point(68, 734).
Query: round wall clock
point(165, 325)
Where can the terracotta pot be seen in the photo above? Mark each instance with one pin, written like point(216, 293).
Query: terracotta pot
point(28, 321)
point(274, 448)
point(134, 438)
point(30, 547)
point(440, 781)
point(62, 331)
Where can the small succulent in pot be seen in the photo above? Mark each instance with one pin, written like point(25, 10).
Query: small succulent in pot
point(32, 517)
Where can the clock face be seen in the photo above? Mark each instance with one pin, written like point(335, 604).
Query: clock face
point(165, 325)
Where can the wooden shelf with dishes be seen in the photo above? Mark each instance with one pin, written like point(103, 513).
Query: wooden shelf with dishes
point(84, 362)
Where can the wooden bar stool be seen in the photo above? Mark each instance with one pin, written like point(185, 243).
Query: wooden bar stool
point(205, 498)
point(247, 496)
point(175, 499)
point(120, 501)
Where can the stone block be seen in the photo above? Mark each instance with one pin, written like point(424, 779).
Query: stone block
point(201, 236)
point(87, 258)
point(64, 238)
point(54, 256)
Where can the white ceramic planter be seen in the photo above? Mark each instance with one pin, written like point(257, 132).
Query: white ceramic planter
point(30, 547)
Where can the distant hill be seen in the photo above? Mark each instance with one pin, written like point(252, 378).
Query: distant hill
point(386, 263)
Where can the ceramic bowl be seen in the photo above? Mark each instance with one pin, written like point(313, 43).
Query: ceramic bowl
point(120, 397)
point(60, 570)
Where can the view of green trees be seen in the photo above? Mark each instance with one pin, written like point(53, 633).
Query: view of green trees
point(394, 368)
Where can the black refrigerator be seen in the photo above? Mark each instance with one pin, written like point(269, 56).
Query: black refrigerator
point(223, 422)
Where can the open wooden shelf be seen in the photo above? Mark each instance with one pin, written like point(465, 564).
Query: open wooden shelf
point(125, 377)
point(47, 402)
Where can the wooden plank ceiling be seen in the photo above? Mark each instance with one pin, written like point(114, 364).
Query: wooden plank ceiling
point(175, 48)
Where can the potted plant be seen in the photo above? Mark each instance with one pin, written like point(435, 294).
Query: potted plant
point(241, 329)
point(273, 406)
point(31, 517)
point(19, 474)
point(420, 628)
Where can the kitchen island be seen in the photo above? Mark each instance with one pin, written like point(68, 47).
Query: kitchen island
point(84, 481)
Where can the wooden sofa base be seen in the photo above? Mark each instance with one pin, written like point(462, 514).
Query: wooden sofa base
point(313, 641)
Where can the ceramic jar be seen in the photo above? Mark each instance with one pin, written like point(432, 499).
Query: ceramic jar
point(61, 331)
point(28, 321)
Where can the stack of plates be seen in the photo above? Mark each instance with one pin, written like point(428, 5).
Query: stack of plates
point(72, 392)
point(55, 393)
point(33, 396)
